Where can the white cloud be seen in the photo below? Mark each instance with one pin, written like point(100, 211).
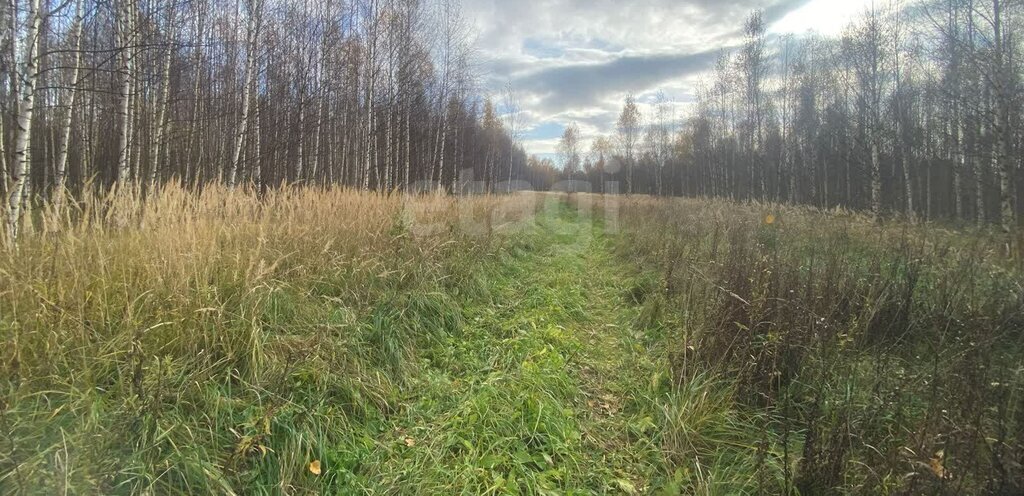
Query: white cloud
point(576, 60)
point(825, 17)
point(542, 146)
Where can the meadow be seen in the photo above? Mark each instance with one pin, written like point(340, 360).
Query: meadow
point(872, 358)
point(218, 342)
point(340, 342)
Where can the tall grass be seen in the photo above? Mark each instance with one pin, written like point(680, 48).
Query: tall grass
point(218, 342)
point(880, 359)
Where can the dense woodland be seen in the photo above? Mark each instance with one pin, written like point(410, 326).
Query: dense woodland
point(376, 94)
point(914, 110)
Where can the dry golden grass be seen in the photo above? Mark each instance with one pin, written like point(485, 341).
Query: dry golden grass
point(215, 342)
point(870, 349)
point(142, 336)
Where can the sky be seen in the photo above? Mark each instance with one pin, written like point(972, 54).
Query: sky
point(577, 60)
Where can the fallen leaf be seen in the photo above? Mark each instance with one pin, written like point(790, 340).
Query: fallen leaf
point(936, 464)
point(314, 467)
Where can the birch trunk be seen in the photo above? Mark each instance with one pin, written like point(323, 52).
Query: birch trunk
point(125, 41)
point(408, 145)
point(1008, 220)
point(983, 135)
point(371, 86)
point(299, 152)
point(160, 135)
point(876, 180)
point(369, 152)
point(3, 161)
point(959, 163)
point(390, 136)
point(511, 164)
point(904, 161)
point(60, 166)
point(908, 186)
point(345, 133)
point(444, 142)
point(27, 73)
point(1002, 159)
point(251, 35)
point(7, 35)
point(369, 146)
point(191, 157)
point(256, 174)
point(321, 96)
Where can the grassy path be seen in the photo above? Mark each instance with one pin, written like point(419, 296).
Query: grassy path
point(544, 390)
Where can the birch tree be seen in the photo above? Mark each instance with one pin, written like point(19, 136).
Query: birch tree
point(255, 8)
point(27, 73)
point(69, 102)
point(569, 150)
point(513, 125)
point(126, 47)
point(628, 127)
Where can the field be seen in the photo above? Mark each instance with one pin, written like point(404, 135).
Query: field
point(338, 342)
point(872, 359)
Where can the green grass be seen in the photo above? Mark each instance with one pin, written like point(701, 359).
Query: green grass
point(518, 401)
point(526, 362)
point(695, 349)
point(556, 384)
point(876, 359)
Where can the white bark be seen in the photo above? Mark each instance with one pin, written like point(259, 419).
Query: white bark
point(70, 98)
point(300, 153)
point(1002, 158)
point(126, 40)
point(251, 36)
point(27, 74)
point(321, 96)
point(370, 147)
point(256, 174)
point(3, 161)
point(163, 104)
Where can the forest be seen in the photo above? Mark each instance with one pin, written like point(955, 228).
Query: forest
point(301, 247)
point(374, 95)
point(914, 111)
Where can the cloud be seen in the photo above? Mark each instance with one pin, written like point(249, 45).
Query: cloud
point(575, 60)
point(579, 85)
point(504, 25)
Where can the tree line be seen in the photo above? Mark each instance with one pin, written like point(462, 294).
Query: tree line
point(915, 110)
point(380, 94)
